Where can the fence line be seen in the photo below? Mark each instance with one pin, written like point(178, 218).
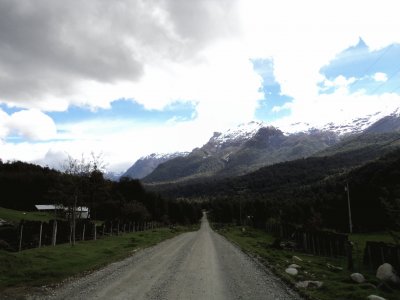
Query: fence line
point(323, 243)
point(377, 253)
point(36, 234)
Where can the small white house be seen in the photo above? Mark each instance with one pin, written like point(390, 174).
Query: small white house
point(81, 212)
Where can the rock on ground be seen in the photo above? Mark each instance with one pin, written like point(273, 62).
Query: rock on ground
point(294, 266)
point(292, 271)
point(375, 297)
point(309, 284)
point(357, 277)
point(297, 258)
point(386, 273)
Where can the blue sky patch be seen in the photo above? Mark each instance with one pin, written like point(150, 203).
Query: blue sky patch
point(120, 109)
point(9, 110)
point(126, 110)
point(271, 90)
point(363, 64)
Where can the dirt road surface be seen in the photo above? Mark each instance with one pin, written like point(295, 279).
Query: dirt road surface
point(194, 265)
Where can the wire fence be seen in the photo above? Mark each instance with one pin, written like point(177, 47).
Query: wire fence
point(36, 234)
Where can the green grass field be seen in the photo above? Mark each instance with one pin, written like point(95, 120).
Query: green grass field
point(337, 284)
point(15, 216)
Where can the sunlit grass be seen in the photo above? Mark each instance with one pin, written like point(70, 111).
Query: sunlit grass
point(15, 216)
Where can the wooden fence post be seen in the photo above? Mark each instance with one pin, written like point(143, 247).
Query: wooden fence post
point(305, 241)
point(398, 255)
point(54, 237)
point(83, 231)
point(313, 243)
point(40, 234)
point(21, 230)
point(70, 233)
point(382, 255)
point(349, 256)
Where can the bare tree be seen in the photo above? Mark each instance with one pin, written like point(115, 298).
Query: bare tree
point(80, 171)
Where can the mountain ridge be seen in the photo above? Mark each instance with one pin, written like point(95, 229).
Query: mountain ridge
point(252, 145)
point(146, 164)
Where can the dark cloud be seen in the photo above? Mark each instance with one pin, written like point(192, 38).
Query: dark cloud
point(47, 47)
point(203, 21)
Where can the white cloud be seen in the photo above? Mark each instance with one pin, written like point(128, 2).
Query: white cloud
point(31, 124)
point(340, 107)
point(120, 142)
point(304, 36)
point(90, 54)
point(53, 159)
point(339, 82)
point(285, 106)
point(54, 55)
point(380, 77)
point(4, 130)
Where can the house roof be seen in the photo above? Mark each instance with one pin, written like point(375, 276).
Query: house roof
point(60, 207)
point(48, 207)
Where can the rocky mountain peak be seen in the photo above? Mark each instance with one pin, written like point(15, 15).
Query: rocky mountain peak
point(266, 137)
point(146, 164)
point(234, 136)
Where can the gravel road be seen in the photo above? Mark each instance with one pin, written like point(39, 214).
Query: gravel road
point(194, 265)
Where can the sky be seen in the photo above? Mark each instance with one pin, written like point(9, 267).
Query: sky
point(125, 78)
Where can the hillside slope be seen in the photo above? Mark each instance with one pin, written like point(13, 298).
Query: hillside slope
point(223, 157)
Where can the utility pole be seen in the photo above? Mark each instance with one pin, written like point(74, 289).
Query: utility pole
point(240, 210)
point(74, 219)
point(346, 188)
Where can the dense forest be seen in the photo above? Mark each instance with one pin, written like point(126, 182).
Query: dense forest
point(308, 192)
point(25, 185)
point(318, 200)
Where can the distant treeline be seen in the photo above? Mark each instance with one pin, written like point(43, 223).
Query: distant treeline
point(310, 192)
point(24, 185)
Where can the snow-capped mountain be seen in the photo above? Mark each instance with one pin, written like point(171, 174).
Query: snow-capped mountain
point(242, 132)
point(343, 127)
point(246, 131)
point(241, 150)
point(252, 145)
point(146, 164)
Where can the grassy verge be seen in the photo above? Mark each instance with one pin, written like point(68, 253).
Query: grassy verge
point(337, 284)
point(49, 265)
point(359, 242)
point(15, 216)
